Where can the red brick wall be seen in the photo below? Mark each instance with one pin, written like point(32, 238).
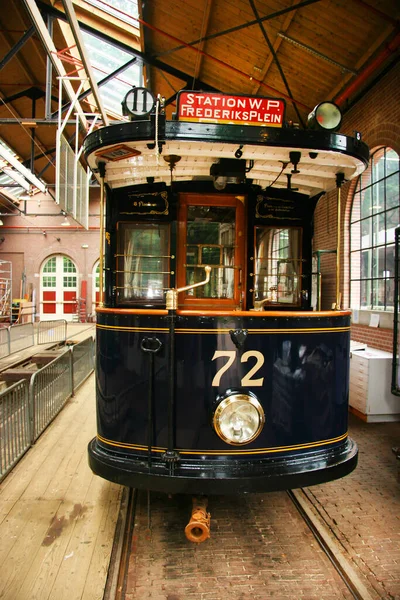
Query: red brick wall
point(376, 337)
point(377, 117)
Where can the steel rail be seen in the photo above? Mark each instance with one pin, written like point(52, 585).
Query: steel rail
point(117, 578)
point(329, 546)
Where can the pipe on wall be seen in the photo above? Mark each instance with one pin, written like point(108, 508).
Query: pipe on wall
point(390, 49)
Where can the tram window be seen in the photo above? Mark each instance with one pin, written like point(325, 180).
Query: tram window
point(210, 240)
point(277, 273)
point(143, 262)
point(211, 232)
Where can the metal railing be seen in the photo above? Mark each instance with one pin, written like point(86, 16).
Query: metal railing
point(82, 361)
point(27, 407)
point(5, 346)
point(21, 336)
point(52, 331)
point(15, 426)
point(50, 387)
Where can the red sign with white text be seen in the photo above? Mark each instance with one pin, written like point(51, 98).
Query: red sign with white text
point(207, 107)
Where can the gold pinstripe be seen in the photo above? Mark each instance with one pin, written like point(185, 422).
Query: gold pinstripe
point(122, 328)
point(226, 331)
point(228, 452)
point(260, 331)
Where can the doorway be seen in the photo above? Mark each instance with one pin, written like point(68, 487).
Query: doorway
point(58, 288)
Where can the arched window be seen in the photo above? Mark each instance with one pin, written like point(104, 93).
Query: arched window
point(58, 288)
point(375, 214)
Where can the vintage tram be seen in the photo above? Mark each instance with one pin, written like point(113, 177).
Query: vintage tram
point(216, 370)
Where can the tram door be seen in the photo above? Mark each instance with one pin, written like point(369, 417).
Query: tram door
point(58, 289)
point(211, 233)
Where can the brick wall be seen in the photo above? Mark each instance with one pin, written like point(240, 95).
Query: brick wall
point(377, 117)
point(376, 337)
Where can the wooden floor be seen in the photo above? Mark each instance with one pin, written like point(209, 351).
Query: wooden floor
point(57, 519)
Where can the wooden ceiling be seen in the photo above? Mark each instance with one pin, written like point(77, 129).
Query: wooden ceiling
point(271, 48)
point(303, 51)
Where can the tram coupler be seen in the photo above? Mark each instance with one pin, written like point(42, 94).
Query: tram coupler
point(198, 528)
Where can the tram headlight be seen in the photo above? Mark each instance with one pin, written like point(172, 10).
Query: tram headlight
point(238, 419)
point(326, 116)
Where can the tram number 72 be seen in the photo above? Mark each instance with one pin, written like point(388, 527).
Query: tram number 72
point(231, 356)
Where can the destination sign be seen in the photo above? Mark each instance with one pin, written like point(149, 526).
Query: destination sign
point(207, 107)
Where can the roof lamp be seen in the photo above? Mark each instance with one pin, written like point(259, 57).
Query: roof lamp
point(326, 116)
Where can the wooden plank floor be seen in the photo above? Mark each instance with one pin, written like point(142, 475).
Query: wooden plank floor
point(57, 519)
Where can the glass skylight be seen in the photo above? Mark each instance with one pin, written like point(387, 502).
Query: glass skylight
point(106, 58)
point(7, 183)
point(125, 10)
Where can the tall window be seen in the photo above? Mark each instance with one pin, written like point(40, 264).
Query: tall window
point(375, 215)
point(210, 240)
point(143, 267)
point(277, 268)
point(211, 232)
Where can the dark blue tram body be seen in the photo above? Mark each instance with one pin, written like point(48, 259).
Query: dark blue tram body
point(304, 391)
point(238, 384)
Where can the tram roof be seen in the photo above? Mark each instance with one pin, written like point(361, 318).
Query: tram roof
point(132, 155)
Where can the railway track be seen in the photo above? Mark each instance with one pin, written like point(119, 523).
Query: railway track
point(138, 543)
point(330, 546)
point(119, 563)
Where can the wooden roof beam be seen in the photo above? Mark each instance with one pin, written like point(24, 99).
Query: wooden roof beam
point(363, 62)
point(17, 47)
point(22, 65)
point(204, 29)
point(276, 60)
point(145, 46)
point(212, 36)
point(33, 92)
point(289, 18)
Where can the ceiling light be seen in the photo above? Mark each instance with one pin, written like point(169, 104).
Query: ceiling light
point(172, 160)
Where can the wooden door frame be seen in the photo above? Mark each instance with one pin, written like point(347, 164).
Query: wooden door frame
point(239, 292)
